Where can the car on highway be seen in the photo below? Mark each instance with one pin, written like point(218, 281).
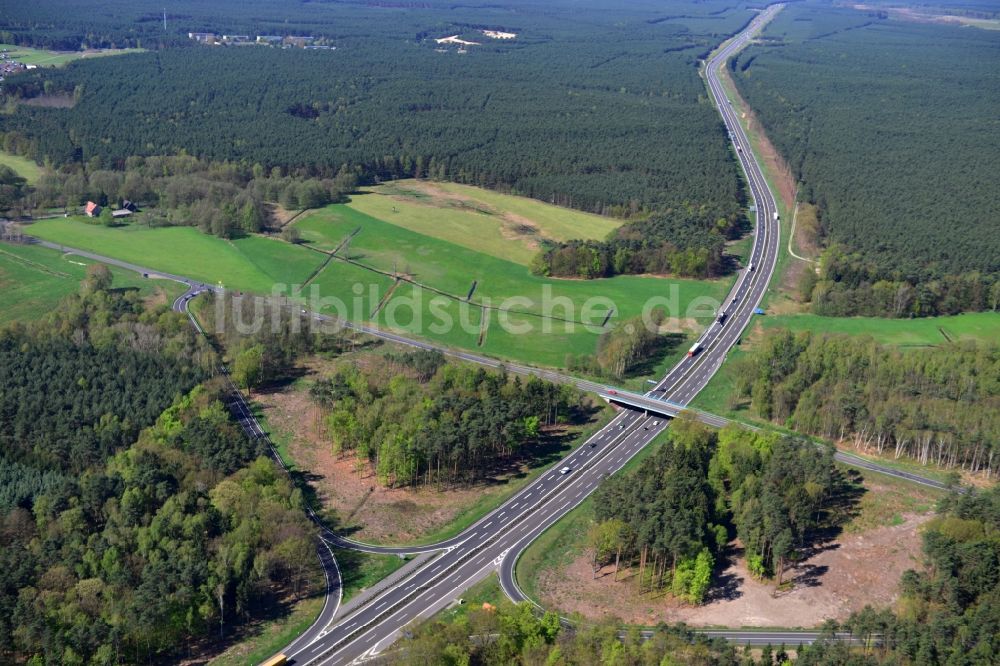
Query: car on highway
point(612, 392)
point(565, 470)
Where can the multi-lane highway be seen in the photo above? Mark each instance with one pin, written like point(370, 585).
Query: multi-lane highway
point(499, 538)
point(342, 635)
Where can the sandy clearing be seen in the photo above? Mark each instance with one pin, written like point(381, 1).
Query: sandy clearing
point(842, 577)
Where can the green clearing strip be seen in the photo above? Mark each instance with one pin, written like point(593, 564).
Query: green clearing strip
point(923, 332)
point(33, 280)
point(22, 166)
point(254, 263)
point(42, 58)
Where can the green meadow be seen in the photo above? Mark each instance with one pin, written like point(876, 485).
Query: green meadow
point(248, 264)
point(511, 314)
point(22, 166)
point(30, 56)
point(34, 279)
point(923, 332)
point(531, 319)
point(500, 225)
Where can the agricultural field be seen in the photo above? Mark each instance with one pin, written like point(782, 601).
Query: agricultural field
point(22, 166)
point(544, 325)
point(34, 279)
point(446, 273)
point(43, 58)
point(924, 332)
point(500, 225)
point(251, 264)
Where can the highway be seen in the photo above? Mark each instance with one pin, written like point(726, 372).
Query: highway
point(342, 635)
point(497, 540)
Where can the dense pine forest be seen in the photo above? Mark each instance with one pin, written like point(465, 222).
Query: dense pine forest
point(938, 406)
point(594, 109)
point(674, 514)
point(417, 420)
point(135, 516)
point(890, 127)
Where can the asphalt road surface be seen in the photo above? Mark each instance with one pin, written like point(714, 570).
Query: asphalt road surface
point(495, 541)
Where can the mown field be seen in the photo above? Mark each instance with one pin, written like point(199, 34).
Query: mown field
point(500, 225)
point(527, 318)
point(21, 166)
point(552, 313)
point(34, 279)
point(250, 264)
point(924, 332)
point(42, 58)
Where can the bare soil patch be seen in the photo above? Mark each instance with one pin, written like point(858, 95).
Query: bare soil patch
point(861, 566)
point(773, 161)
point(376, 513)
point(842, 577)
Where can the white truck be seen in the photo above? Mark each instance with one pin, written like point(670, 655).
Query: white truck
point(775, 216)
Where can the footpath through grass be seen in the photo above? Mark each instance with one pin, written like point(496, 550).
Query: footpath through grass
point(33, 280)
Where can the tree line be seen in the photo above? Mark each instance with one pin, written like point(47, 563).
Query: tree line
point(849, 285)
point(688, 241)
point(907, 197)
point(509, 634)
point(140, 518)
point(675, 514)
point(222, 198)
point(939, 406)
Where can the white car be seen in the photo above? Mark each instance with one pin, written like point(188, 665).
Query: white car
point(565, 470)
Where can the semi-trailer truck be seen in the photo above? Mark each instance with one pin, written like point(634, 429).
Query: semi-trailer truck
point(695, 348)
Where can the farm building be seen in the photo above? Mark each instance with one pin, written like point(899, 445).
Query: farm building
point(92, 209)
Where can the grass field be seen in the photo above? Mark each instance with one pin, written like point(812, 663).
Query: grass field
point(30, 56)
point(923, 332)
point(34, 279)
point(22, 166)
point(545, 325)
point(500, 225)
point(452, 269)
point(249, 264)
